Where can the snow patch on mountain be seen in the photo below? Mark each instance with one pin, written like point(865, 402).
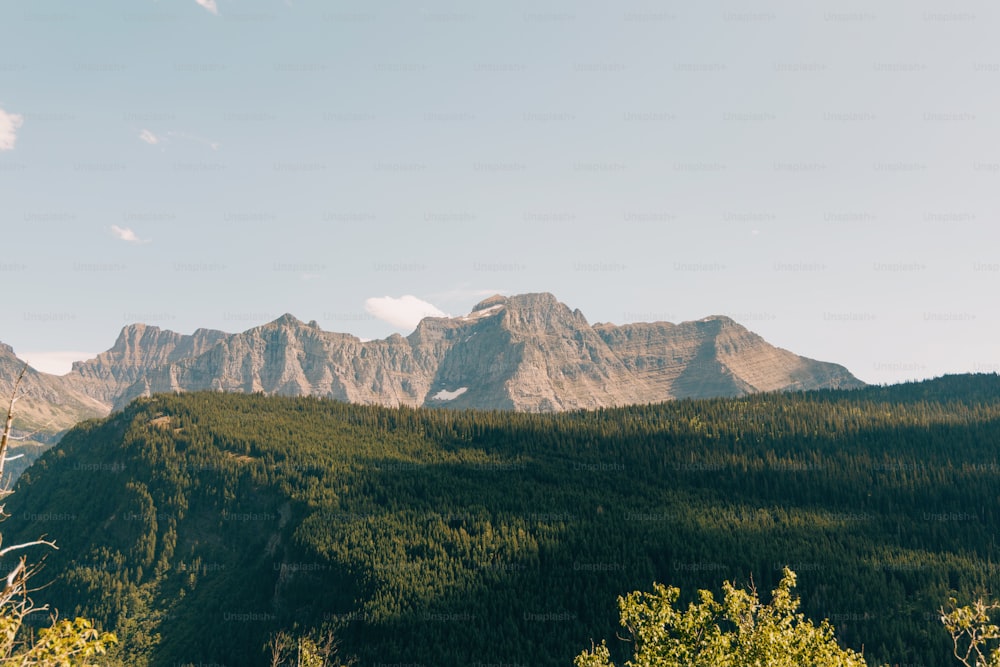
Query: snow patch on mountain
point(445, 395)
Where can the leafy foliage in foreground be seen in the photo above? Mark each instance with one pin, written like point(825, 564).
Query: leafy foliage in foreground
point(743, 631)
point(736, 632)
point(199, 525)
point(62, 644)
point(972, 630)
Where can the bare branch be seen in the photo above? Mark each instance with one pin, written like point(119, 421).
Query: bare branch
point(280, 645)
point(6, 550)
point(25, 436)
point(10, 417)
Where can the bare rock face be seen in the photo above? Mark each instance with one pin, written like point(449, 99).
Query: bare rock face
point(527, 352)
point(45, 408)
point(139, 350)
point(289, 357)
point(45, 403)
point(715, 356)
point(560, 362)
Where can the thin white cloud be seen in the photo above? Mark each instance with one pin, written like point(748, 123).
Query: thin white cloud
point(214, 145)
point(404, 312)
point(9, 124)
point(54, 362)
point(126, 234)
point(163, 139)
point(209, 5)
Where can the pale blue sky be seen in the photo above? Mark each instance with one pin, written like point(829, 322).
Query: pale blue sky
point(825, 173)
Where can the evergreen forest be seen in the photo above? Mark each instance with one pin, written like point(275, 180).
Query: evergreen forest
point(197, 526)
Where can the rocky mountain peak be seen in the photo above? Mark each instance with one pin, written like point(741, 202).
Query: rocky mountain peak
point(533, 314)
point(288, 320)
point(535, 300)
point(139, 349)
point(721, 319)
point(495, 300)
point(133, 331)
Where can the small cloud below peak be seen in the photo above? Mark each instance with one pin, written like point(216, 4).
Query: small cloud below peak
point(126, 234)
point(404, 312)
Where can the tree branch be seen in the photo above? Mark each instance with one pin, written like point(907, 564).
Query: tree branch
point(10, 417)
point(13, 547)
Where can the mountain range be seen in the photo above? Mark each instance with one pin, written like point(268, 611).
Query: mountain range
point(528, 352)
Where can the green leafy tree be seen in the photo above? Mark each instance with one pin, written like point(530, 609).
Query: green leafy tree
point(738, 631)
point(971, 628)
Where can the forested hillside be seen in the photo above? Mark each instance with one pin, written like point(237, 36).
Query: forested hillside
point(196, 525)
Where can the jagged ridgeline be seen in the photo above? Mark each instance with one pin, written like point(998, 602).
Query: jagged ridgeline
point(198, 524)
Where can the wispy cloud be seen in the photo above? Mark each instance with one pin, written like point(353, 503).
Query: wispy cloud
point(209, 5)
point(126, 234)
point(404, 312)
point(214, 145)
point(9, 124)
point(163, 139)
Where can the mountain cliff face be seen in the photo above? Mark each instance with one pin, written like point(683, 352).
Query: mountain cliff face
point(138, 350)
point(45, 408)
point(45, 402)
point(528, 352)
point(715, 356)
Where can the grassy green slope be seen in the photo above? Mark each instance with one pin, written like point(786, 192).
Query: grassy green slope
point(198, 524)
